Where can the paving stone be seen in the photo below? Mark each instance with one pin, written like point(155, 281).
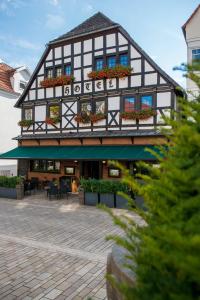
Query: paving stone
point(53, 250)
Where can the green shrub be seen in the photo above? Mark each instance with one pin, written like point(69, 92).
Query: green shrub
point(9, 182)
point(165, 254)
point(103, 186)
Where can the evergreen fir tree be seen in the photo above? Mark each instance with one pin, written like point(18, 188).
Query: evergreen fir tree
point(165, 254)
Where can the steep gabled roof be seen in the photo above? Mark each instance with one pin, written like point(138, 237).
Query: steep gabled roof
point(97, 22)
point(6, 72)
point(189, 19)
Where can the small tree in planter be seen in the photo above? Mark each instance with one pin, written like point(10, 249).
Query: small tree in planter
point(165, 254)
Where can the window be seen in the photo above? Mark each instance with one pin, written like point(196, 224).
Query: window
point(146, 102)
point(123, 59)
point(28, 114)
point(100, 107)
point(58, 71)
point(49, 73)
point(195, 54)
point(68, 70)
point(113, 172)
point(22, 85)
point(86, 107)
point(99, 64)
point(111, 61)
point(129, 104)
point(69, 170)
point(47, 166)
point(54, 111)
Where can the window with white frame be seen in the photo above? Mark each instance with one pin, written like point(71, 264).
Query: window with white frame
point(28, 114)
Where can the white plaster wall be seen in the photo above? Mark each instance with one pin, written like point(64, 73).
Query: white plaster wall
point(150, 79)
point(193, 27)
point(122, 40)
point(148, 67)
point(40, 113)
point(85, 72)
point(77, 75)
point(134, 53)
point(77, 48)
point(77, 61)
point(67, 50)
point(41, 70)
point(136, 80)
point(87, 59)
point(58, 52)
point(50, 55)
point(32, 95)
point(110, 40)
point(163, 99)
point(98, 42)
point(114, 103)
point(87, 45)
point(40, 93)
point(58, 90)
point(123, 82)
point(49, 92)
point(136, 65)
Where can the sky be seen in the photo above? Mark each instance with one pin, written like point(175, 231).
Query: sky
point(26, 26)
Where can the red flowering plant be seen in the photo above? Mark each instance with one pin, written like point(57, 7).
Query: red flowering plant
point(138, 114)
point(61, 80)
point(117, 72)
point(52, 121)
point(97, 117)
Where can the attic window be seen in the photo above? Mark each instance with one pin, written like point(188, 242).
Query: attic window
point(22, 85)
point(49, 73)
point(195, 54)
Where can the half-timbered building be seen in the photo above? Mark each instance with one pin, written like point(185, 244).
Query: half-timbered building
point(95, 95)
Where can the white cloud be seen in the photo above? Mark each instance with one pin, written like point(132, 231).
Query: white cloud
point(18, 42)
point(54, 21)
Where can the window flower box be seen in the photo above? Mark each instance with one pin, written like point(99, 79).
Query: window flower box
point(52, 121)
point(138, 114)
point(25, 123)
point(97, 117)
point(58, 81)
point(82, 118)
point(116, 72)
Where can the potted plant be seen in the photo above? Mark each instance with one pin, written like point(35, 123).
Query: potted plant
point(107, 193)
point(25, 123)
point(90, 188)
point(58, 81)
point(117, 72)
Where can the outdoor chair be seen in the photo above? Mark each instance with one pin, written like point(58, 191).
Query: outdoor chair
point(53, 191)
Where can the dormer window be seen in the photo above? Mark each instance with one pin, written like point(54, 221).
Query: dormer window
point(68, 70)
point(99, 64)
point(123, 59)
point(58, 71)
point(111, 61)
point(22, 85)
point(49, 73)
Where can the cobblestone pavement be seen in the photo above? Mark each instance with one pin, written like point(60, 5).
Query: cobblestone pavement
point(52, 249)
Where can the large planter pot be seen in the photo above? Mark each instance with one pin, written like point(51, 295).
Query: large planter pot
point(116, 266)
point(8, 193)
point(20, 191)
point(91, 198)
point(107, 199)
point(121, 202)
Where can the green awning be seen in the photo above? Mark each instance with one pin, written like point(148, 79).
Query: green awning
point(135, 152)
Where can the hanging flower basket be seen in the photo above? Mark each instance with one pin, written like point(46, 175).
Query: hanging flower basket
point(97, 117)
point(52, 121)
point(116, 72)
point(25, 123)
point(138, 114)
point(58, 81)
point(82, 118)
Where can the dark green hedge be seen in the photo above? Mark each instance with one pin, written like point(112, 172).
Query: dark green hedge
point(9, 182)
point(103, 186)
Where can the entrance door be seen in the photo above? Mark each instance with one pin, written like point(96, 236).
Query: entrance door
point(90, 169)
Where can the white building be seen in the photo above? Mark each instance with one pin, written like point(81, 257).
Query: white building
point(12, 84)
point(191, 31)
